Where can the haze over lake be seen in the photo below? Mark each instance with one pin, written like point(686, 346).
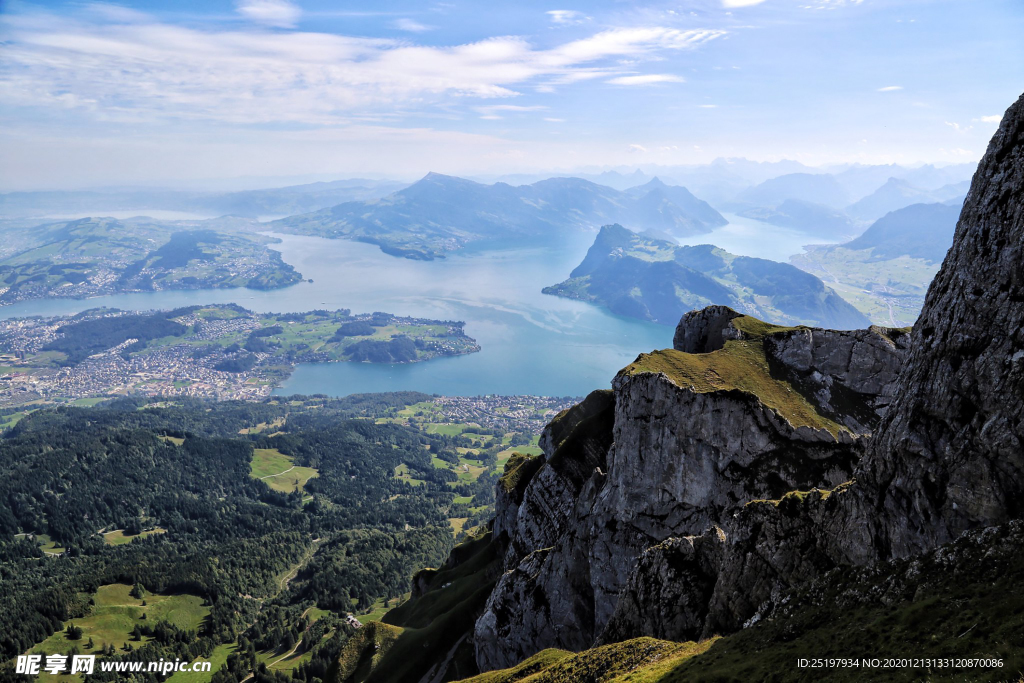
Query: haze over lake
point(531, 343)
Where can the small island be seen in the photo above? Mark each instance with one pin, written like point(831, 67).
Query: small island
point(220, 351)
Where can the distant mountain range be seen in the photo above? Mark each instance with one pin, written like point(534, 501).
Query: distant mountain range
point(442, 213)
point(819, 188)
point(281, 201)
point(655, 280)
point(826, 222)
point(896, 194)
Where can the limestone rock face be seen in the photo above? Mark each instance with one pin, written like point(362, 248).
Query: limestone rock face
point(575, 444)
point(950, 453)
point(851, 375)
point(678, 576)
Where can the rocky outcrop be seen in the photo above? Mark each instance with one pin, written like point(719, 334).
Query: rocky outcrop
point(676, 452)
point(706, 330)
point(574, 444)
point(678, 575)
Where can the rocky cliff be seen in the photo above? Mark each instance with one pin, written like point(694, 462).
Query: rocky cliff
point(740, 411)
point(751, 459)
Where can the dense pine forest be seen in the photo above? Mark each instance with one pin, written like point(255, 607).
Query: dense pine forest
point(277, 562)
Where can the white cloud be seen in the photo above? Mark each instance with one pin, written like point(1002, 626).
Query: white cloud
point(708, 106)
point(494, 111)
point(279, 13)
point(957, 127)
point(147, 71)
point(553, 120)
point(566, 16)
point(991, 119)
point(830, 4)
point(891, 88)
point(637, 148)
point(741, 3)
point(646, 79)
point(411, 26)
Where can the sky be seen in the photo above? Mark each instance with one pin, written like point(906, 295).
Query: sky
point(182, 93)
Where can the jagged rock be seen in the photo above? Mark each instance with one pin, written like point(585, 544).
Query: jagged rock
point(678, 576)
point(685, 452)
point(574, 444)
point(706, 330)
point(850, 375)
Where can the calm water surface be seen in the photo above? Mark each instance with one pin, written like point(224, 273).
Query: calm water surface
point(531, 343)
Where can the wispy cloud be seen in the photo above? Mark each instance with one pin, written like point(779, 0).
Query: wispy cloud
point(566, 16)
point(279, 13)
point(957, 127)
point(991, 119)
point(830, 4)
point(645, 79)
point(891, 88)
point(741, 3)
point(410, 25)
point(494, 111)
point(149, 70)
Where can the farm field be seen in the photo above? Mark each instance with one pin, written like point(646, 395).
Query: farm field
point(118, 537)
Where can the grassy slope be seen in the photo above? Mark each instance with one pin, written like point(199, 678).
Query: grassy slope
point(640, 660)
point(740, 366)
point(115, 614)
point(278, 470)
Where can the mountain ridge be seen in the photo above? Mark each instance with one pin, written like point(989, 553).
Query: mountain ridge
point(439, 214)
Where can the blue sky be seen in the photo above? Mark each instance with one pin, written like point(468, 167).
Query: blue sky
point(96, 94)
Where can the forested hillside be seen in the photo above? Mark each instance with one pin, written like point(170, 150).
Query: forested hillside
point(190, 499)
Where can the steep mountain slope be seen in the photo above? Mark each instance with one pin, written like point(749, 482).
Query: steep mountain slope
point(923, 231)
point(681, 197)
point(886, 271)
point(441, 213)
point(655, 280)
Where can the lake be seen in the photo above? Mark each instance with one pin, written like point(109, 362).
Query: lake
point(531, 343)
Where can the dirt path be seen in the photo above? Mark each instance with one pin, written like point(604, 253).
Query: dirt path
point(279, 473)
point(283, 584)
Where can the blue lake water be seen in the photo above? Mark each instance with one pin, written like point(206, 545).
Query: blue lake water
point(531, 343)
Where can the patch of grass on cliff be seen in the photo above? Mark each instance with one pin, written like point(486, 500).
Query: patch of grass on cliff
point(519, 469)
point(740, 365)
point(640, 660)
point(801, 496)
